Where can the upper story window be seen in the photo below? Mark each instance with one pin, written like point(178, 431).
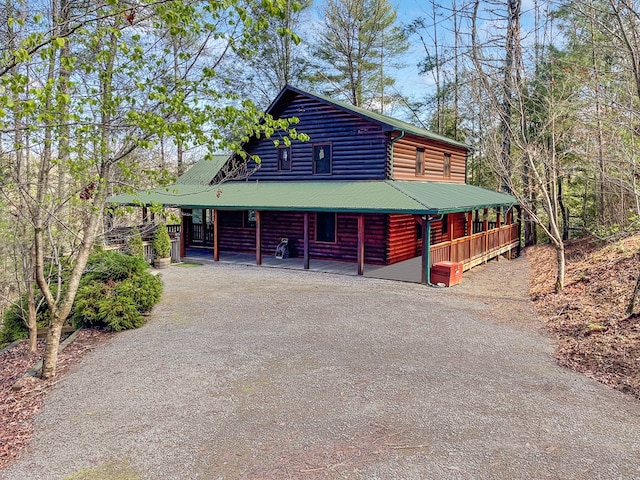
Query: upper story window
point(419, 161)
point(284, 158)
point(446, 168)
point(322, 159)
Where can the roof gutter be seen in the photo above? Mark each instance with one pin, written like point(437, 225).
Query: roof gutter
point(394, 140)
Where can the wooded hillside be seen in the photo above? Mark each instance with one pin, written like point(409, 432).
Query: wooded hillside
point(595, 335)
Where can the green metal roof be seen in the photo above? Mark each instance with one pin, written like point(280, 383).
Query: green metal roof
point(204, 171)
point(386, 196)
point(385, 120)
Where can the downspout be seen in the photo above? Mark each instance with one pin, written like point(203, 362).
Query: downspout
point(394, 140)
point(427, 242)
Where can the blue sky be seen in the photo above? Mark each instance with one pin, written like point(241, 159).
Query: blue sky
point(408, 81)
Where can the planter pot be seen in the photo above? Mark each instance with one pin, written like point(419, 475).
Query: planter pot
point(161, 262)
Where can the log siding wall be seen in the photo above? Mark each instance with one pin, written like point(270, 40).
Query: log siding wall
point(234, 237)
point(404, 160)
point(358, 147)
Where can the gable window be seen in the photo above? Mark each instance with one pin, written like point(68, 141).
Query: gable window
point(284, 158)
point(322, 159)
point(419, 161)
point(326, 227)
point(446, 168)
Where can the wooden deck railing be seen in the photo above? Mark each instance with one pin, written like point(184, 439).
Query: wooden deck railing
point(477, 248)
point(174, 233)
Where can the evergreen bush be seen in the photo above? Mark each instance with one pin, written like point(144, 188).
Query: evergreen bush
point(115, 292)
point(161, 242)
point(134, 243)
point(14, 326)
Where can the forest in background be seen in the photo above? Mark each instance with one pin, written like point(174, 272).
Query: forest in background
point(111, 96)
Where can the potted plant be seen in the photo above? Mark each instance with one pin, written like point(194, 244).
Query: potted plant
point(161, 247)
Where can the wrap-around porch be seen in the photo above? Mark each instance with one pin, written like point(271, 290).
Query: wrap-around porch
point(465, 238)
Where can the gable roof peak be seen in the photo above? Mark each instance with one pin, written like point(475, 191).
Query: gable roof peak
point(388, 123)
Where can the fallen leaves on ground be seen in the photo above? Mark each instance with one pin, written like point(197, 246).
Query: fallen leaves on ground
point(588, 318)
point(18, 407)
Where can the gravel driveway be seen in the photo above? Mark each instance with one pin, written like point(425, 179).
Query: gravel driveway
point(258, 373)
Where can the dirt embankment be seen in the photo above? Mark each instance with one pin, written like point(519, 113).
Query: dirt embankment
point(594, 333)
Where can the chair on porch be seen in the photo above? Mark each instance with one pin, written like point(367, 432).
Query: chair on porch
point(282, 250)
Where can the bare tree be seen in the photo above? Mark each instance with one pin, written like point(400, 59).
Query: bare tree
point(101, 89)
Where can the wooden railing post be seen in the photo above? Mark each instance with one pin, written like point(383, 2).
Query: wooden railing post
point(485, 228)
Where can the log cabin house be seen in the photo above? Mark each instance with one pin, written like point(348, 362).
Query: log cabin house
point(366, 188)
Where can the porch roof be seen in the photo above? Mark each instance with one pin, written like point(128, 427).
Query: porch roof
point(385, 196)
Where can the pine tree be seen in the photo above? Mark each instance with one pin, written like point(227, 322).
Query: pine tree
point(358, 41)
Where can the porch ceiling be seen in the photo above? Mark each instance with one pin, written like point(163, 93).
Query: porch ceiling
point(333, 196)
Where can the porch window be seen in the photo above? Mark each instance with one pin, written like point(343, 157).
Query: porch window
point(322, 159)
point(419, 161)
point(326, 227)
point(446, 169)
point(250, 219)
point(284, 158)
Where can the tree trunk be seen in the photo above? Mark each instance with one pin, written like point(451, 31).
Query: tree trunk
point(50, 360)
point(634, 297)
point(564, 212)
point(561, 267)
point(31, 318)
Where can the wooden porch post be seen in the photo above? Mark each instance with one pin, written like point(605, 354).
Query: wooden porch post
point(258, 237)
point(469, 232)
point(485, 227)
point(519, 210)
point(306, 240)
point(183, 246)
point(216, 248)
point(361, 244)
point(498, 213)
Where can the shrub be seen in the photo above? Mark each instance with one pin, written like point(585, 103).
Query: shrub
point(112, 265)
point(98, 304)
point(14, 326)
point(134, 243)
point(114, 293)
point(161, 242)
